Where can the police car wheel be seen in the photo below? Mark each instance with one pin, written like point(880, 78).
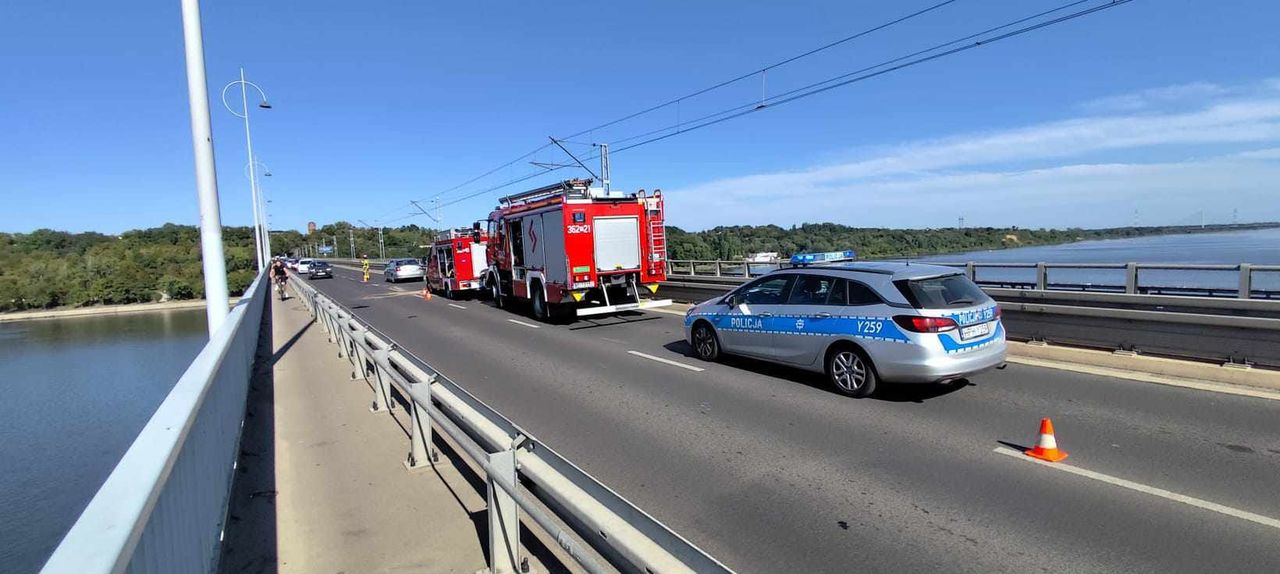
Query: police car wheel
point(705, 344)
point(850, 372)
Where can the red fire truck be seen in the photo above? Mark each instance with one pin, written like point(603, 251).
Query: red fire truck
point(570, 247)
point(457, 262)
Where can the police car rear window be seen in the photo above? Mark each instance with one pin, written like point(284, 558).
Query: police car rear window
point(946, 292)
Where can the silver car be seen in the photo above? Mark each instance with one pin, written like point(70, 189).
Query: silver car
point(858, 323)
point(400, 269)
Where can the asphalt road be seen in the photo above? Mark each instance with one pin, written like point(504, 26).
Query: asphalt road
point(769, 471)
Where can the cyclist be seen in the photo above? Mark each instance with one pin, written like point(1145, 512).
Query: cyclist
point(279, 275)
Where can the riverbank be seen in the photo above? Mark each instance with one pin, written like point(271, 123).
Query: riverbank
point(104, 310)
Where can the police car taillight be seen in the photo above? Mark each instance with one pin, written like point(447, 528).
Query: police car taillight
point(917, 324)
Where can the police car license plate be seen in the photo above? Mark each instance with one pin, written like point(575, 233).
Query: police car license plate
point(974, 331)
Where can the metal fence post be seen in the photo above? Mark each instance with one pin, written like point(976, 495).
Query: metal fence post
point(1130, 278)
point(1042, 276)
point(420, 453)
point(970, 271)
point(381, 386)
point(746, 268)
point(1246, 281)
point(504, 519)
point(717, 267)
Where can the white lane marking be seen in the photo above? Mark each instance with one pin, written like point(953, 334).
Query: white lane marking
point(456, 306)
point(525, 324)
point(1162, 493)
point(667, 361)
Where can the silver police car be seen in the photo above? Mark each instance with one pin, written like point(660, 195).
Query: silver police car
point(858, 322)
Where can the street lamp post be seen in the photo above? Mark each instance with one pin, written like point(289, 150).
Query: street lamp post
point(260, 240)
point(215, 270)
point(261, 216)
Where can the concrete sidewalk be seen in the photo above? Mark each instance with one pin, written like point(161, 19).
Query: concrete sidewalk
point(321, 486)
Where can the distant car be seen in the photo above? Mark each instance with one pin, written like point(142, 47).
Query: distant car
point(303, 266)
point(400, 269)
point(858, 323)
point(320, 270)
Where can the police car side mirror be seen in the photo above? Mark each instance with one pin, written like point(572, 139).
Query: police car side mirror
point(731, 300)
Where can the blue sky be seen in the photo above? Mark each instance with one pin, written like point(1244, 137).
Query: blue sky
point(1166, 107)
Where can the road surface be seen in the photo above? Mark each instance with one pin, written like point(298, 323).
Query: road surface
point(769, 471)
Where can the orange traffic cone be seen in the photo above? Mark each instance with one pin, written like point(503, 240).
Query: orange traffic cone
point(1047, 447)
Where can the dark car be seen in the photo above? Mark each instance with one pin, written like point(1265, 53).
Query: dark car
point(320, 270)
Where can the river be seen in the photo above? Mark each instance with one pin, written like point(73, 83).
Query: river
point(1256, 247)
point(77, 392)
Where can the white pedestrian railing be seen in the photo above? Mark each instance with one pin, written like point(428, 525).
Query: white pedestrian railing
point(591, 522)
point(164, 506)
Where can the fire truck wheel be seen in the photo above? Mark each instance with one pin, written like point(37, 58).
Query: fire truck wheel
point(497, 295)
point(705, 344)
point(448, 291)
point(540, 310)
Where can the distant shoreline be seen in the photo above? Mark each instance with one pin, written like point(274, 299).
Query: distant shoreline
point(99, 310)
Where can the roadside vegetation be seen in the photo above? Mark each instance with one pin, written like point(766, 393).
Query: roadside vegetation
point(46, 268)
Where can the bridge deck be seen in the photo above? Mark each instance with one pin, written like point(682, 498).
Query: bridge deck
point(769, 471)
point(321, 486)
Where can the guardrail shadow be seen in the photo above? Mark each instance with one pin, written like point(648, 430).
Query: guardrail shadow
point(251, 541)
point(890, 392)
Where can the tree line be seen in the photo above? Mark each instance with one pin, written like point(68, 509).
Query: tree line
point(47, 268)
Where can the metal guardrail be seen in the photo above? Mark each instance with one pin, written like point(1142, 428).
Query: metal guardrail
point(523, 474)
point(1244, 281)
point(164, 506)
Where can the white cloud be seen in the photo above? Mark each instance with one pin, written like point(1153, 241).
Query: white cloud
point(1024, 169)
point(1155, 96)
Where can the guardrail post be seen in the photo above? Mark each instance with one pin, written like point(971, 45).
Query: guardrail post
point(420, 453)
point(717, 267)
point(1246, 281)
point(381, 387)
point(1131, 278)
point(970, 271)
point(746, 268)
point(504, 519)
point(1042, 276)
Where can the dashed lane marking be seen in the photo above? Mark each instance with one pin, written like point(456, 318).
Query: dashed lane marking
point(531, 325)
point(1162, 493)
point(667, 361)
point(456, 306)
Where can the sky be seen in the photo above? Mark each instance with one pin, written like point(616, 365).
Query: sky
point(1153, 111)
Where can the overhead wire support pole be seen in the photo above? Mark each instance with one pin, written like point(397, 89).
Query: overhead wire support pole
point(217, 304)
point(424, 212)
point(575, 158)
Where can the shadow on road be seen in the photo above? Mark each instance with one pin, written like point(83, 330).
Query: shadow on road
point(891, 392)
point(250, 544)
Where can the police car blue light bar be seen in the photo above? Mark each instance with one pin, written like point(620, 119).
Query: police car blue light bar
point(827, 257)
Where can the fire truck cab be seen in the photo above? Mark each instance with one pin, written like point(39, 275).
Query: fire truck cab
point(571, 248)
point(457, 262)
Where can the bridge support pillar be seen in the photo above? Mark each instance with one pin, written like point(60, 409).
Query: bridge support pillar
point(504, 519)
point(421, 454)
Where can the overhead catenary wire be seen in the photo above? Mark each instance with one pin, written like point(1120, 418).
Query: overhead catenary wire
point(705, 90)
point(841, 80)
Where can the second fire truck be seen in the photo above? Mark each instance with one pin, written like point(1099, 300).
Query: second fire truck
point(569, 248)
point(456, 263)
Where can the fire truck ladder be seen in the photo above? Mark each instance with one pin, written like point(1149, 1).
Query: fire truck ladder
point(657, 232)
